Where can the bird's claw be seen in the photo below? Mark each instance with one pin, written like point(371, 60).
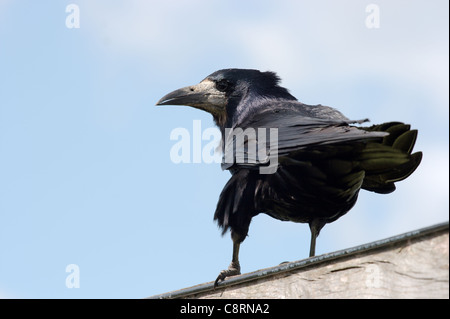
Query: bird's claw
point(233, 270)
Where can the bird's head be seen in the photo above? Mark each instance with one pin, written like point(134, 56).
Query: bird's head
point(223, 91)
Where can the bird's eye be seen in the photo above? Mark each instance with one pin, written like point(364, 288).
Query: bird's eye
point(223, 85)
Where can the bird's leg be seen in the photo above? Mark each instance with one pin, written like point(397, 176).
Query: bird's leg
point(315, 226)
point(312, 247)
point(234, 268)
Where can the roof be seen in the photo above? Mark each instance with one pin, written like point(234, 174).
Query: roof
point(316, 261)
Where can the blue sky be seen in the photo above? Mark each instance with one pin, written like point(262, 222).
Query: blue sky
point(86, 176)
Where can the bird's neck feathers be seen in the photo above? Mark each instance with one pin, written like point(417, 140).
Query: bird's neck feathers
point(247, 103)
point(250, 96)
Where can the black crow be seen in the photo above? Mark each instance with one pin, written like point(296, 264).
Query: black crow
point(292, 161)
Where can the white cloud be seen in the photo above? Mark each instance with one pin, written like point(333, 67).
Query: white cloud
point(157, 31)
point(305, 43)
point(328, 41)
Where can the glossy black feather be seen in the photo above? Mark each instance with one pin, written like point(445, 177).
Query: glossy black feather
point(324, 158)
point(321, 159)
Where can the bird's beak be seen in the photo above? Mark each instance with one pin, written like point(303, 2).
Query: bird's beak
point(203, 96)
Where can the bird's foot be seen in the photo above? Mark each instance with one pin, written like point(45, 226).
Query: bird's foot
point(233, 270)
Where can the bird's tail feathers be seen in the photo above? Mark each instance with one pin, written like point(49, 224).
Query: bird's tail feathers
point(391, 160)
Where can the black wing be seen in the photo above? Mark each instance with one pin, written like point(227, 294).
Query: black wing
point(281, 128)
